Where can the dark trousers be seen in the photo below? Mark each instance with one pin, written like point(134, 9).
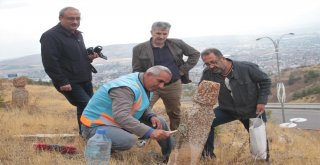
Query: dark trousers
point(79, 96)
point(170, 95)
point(222, 118)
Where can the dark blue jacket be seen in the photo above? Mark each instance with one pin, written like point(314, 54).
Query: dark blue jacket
point(64, 56)
point(249, 85)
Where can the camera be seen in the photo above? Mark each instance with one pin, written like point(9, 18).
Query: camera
point(98, 50)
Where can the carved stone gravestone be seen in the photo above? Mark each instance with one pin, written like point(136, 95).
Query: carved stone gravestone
point(195, 125)
point(19, 93)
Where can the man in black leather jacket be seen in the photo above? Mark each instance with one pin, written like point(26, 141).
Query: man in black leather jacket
point(65, 60)
point(244, 90)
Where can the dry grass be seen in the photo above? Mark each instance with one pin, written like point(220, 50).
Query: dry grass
point(49, 112)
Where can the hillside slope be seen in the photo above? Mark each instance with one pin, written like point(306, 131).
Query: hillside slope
point(302, 84)
point(49, 112)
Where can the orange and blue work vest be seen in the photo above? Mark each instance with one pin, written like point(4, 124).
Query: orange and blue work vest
point(99, 109)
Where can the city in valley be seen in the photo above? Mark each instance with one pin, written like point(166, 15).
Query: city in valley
point(294, 51)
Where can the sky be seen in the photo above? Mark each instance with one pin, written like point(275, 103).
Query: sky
point(107, 22)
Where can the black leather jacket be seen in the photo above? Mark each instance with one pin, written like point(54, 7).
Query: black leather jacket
point(249, 85)
point(64, 56)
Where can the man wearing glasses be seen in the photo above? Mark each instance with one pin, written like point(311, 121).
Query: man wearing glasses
point(65, 60)
point(244, 90)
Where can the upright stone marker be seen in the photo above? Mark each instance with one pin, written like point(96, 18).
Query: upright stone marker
point(195, 125)
point(20, 95)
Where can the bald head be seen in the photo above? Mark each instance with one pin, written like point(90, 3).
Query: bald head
point(157, 69)
point(156, 77)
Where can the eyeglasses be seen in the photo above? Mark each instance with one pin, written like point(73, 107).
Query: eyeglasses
point(211, 63)
point(73, 18)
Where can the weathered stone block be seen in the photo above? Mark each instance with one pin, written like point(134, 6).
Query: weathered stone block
point(195, 125)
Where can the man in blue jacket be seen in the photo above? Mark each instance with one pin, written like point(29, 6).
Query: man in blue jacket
point(65, 60)
point(244, 91)
point(121, 107)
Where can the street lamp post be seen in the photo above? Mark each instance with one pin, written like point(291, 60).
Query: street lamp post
point(281, 95)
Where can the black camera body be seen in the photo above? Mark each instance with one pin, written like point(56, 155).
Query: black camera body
point(98, 50)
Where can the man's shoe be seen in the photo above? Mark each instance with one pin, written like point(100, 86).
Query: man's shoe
point(263, 162)
point(165, 159)
point(208, 156)
point(268, 161)
point(141, 143)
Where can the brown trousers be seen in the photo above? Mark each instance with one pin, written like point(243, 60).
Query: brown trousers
point(170, 95)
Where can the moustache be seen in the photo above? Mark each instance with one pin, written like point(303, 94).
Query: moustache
point(75, 24)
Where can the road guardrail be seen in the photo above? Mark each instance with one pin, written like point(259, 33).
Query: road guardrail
point(307, 106)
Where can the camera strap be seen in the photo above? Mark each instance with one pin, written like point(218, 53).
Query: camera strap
point(94, 70)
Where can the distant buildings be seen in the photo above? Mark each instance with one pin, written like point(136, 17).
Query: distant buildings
point(298, 50)
point(12, 75)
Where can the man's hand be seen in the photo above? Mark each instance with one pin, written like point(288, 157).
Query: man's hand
point(66, 88)
point(156, 123)
point(159, 134)
point(260, 109)
point(93, 56)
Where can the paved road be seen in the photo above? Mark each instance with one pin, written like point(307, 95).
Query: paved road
point(309, 111)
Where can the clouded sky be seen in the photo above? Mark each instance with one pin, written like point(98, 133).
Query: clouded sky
point(106, 22)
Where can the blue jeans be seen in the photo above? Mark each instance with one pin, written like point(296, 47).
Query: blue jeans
point(124, 140)
point(223, 117)
point(79, 96)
